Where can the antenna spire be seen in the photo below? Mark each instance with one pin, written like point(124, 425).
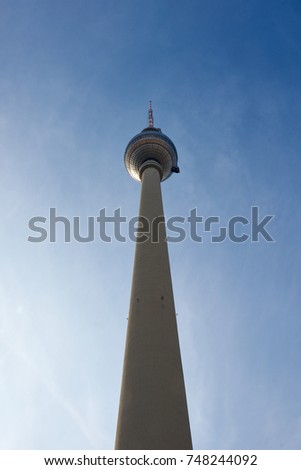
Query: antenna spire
point(150, 115)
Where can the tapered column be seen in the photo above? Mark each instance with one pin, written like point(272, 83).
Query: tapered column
point(153, 410)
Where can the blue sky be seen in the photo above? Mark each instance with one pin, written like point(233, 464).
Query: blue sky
point(75, 81)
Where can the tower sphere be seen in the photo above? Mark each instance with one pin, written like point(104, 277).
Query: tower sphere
point(151, 148)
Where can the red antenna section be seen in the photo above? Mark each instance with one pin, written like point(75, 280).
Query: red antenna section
point(150, 115)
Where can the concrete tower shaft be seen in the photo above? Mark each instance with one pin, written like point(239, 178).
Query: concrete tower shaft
point(153, 410)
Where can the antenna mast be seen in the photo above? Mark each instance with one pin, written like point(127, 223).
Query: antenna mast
point(150, 115)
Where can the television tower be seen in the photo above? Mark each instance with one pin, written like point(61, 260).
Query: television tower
point(153, 410)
